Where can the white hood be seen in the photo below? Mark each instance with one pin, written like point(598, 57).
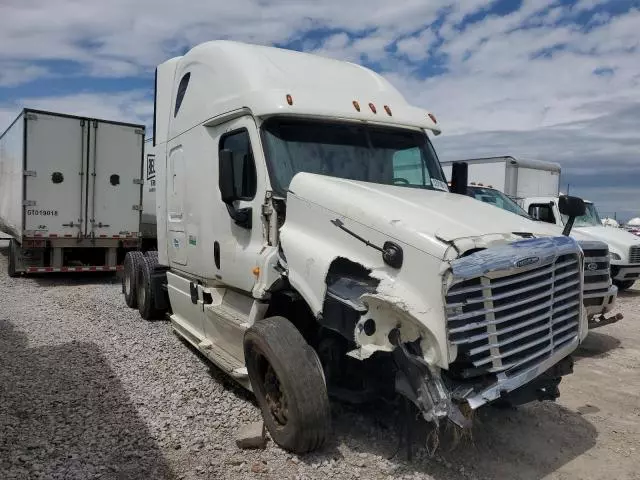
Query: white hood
point(619, 240)
point(415, 216)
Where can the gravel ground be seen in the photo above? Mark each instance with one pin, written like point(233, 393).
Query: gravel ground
point(89, 390)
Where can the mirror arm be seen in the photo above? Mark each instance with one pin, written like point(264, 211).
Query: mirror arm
point(568, 226)
point(240, 216)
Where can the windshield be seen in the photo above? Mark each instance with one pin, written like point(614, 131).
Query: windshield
point(355, 151)
point(497, 198)
point(589, 219)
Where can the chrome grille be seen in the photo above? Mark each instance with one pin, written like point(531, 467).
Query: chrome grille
point(634, 254)
point(597, 273)
point(514, 321)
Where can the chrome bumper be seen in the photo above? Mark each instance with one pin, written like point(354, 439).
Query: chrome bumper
point(606, 303)
point(508, 384)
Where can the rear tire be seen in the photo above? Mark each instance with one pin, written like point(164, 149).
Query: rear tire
point(623, 284)
point(12, 258)
point(146, 294)
point(132, 262)
point(287, 380)
point(153, 254)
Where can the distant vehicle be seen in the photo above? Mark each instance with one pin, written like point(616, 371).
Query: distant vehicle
point(599, 292)
point(535, 186)
point(70, 192)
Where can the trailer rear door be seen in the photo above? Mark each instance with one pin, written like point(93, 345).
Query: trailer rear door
point(115, 188)
point(55, 177)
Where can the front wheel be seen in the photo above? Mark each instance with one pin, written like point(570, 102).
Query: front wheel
point(288, 382)
point(623, 284)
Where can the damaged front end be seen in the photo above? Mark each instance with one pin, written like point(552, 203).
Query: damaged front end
point(513, 312)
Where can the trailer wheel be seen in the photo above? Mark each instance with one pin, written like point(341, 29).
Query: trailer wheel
point(623, 284)
point(146, 298)
point(12, 258)
point(132, 262)
point(287, 380)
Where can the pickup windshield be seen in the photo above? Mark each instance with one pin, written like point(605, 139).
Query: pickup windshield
point(497, 198)
point(589, 219)
point(354, 151)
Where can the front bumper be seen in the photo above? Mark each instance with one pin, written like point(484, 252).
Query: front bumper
point(599, 303)
point(623, 273)
point(505, 385)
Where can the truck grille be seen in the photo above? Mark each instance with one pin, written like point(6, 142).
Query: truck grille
point(510, 323)
point(597, 274)
point(634, 254)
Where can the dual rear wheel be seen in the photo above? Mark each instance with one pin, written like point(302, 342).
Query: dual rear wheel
point(137, 286)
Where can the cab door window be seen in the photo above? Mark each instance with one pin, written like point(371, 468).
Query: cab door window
point(244, 166)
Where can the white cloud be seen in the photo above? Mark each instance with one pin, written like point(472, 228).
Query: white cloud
point(496, 88)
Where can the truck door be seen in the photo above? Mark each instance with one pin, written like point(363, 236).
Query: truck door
point(55, 174)
point(239, 247)
point(115, 180)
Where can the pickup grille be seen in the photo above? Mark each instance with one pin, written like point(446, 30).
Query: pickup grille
point(634, 254)
point(597, 274)
point(510, 323)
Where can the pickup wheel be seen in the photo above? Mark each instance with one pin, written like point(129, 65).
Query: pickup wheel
point(623, 284)
point(287, 380)
point(12, 258)
point(146, 298)
point(132, 262)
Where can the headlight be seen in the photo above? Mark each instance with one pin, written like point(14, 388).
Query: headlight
point(614, 256)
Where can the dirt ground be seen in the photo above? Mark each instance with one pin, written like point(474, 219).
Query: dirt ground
point(591, 432)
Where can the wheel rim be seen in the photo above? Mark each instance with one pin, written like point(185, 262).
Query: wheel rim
point(274, 395)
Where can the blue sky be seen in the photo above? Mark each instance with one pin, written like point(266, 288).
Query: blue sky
point(556, 80)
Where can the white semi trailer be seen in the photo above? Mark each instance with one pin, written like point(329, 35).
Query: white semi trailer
point(308, 245)
point(535, 185)
point(70, 192)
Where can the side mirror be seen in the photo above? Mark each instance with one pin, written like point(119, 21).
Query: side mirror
point(459, 177)
point(226, 178)
point(572, 207)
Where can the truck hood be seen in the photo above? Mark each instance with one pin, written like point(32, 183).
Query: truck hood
point(619, 240)
point(421, 218)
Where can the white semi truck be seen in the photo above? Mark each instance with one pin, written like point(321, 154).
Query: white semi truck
point(308, 245)
point(70, 192)
point(535, 185)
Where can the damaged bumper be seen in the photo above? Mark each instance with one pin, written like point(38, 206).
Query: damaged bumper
point(508, 384)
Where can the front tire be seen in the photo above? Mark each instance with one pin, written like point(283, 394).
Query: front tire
point(623, 284)
point(288, 382)
point(132, 262)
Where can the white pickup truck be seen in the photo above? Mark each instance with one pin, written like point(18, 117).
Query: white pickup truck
point(599, 292)
point(308, 245)
point(535, 185)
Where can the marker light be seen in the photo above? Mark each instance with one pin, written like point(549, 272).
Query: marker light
point(356, 105)
point(256, 271)
point(432, 117)
point(373, 108)
point(289, 99)
point(387, 109)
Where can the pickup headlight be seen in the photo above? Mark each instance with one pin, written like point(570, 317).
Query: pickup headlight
point(614, 256)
